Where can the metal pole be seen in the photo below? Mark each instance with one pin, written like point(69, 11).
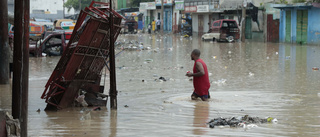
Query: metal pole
point(162, 18)
point(21, 64)
point(4, 46)
point(113, 85)
point(25, 71)
point(243, 27)
point(64, 16)
point(17, 59)
point(79, 6)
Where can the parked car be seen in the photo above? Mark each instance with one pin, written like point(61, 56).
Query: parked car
point(52, 45)
point(64, 24)
point(35, 30)
point(223, 30)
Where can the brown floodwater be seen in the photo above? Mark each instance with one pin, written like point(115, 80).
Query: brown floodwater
point(258, 79)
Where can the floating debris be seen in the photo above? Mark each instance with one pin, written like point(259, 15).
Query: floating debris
point(245, 122)
point(315, 68)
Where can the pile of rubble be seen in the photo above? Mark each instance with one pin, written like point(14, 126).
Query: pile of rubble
point(245, 122)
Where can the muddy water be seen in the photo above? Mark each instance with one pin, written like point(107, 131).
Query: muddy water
point(253, 78)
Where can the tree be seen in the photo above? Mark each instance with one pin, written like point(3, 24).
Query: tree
point(136, 3)
point(299, 1)
point(75, 4)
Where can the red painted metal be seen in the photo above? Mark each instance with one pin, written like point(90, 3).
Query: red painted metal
point(81, 63)
point(272, 29)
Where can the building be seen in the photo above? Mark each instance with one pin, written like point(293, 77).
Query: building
point(167, 14)
point(299, 23)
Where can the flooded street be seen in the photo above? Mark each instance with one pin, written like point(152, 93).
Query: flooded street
point(258, 79)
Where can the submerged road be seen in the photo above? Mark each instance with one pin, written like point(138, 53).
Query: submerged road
point(258, 79)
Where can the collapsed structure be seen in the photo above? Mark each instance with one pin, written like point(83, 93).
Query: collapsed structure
point(80, 66)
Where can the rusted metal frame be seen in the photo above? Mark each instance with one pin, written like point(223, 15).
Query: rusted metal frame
point(115, 13)
point(78, 25)
point(82, 54)
point(105, 61)
point(99, 49)
point(88, 48)
point(101, 12)
point(98, 14)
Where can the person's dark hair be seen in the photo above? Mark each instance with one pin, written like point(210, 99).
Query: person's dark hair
point(196, 52)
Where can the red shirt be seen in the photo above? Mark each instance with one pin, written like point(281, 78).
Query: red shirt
point(201, 84)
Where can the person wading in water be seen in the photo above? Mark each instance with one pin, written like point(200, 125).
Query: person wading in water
point(200, 76)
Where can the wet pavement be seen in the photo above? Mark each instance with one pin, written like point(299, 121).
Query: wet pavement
point(257, 79)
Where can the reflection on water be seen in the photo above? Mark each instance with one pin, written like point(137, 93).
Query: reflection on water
point(201, 116)
point(261, 79)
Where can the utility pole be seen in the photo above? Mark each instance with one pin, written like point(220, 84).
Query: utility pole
point(79, 6)
point(113, 86)
point(21, 64)
point(63, 10)
point(162, 18)
point(4, 46)
point(243, 27)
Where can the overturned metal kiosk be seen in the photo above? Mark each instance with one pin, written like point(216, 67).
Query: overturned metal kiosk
point(88, 52)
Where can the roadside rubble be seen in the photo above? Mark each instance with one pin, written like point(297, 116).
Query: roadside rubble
point(245, 121)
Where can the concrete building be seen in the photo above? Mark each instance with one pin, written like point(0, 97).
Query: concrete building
point(299, 23)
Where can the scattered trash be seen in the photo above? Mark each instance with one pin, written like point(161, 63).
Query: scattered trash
point(288, 57)
point(96, 109)
point(81, 100)
point(245, 122)
point(143, 80)
point(163, 91)
point(251, 74)
point(267, 57)
point(162, 78)
point(126, 106)
point(149, 60)
point(12, 126)
point(210, 74)
point(277, 53)
point(38, 110)
point(229, 52)
point(220, 82)
point(214, 57)
point(315, 68)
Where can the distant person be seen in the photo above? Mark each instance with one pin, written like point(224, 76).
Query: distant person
point(158, 24)
point(149, 28)
point(153, 25)
point(10, 56)
point(200, 76)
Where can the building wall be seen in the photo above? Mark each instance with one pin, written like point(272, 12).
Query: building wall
point(194, 22)
point(282, 28)
point(293, 25)
point(313, 26)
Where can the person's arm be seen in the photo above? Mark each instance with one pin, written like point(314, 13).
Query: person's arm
point(200, 71)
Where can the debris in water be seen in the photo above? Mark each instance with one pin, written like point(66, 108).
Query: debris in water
point(126, 106)
point(162, 78)
point(288, 57)
point(38, 110)
point(245, 122)
point(251, 74)
point(315, 68)
point(229, 52)
point(277, 53)
point(220, 82)
point(267, 57)
point(96, 108)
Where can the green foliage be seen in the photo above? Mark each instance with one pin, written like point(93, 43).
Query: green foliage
point(136, 3)
point(299, 1)
point(75, 4)
point(283, 2)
